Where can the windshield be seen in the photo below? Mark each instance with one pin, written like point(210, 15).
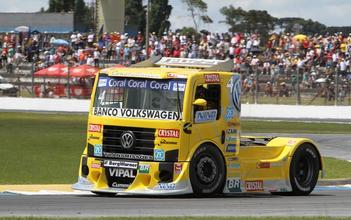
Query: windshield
point(139, 98)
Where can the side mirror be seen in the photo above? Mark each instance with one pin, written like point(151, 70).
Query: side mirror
point(200, 102)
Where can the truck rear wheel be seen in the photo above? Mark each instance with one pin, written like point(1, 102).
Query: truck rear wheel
point(304, 171)
point(207, 171)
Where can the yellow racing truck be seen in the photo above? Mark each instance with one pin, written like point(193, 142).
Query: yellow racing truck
point(170, 126)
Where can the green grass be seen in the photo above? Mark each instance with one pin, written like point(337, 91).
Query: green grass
point(40, 148)
point(180, 218)
point(45, 148)
point(337, 168)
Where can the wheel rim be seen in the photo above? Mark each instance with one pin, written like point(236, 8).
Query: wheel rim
point(304, 171)
point(206, 170)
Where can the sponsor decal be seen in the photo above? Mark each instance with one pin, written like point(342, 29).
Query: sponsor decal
point(171, 75)
point(234, 165)
point(98, 150)
point(136, 75)
point(212, 78)
point(231, 148)
point(95, 128)
point(178, 87)
point(84, 181)
point(178, 168)
point(92, 137)
point(168, 133)
point(120, 185)
point(164, 141)
point(230, 139)
point(159, 155)
point(291, 142)
point(263, 165)
point(179, 76)
point(231, 131)
point(136, 113)
point(120, 164)
point(283, 190)
point(96, 165)
point(120, 172)
point(187, 62)
point(144, 168)
point(102, 82)
point(205, 116)
point(276, 164)
point(272, 189)
point(233, 159)
point(233, 185)
point(166, 186)
point(170, 85)
point(128, 156)
point(229, 113)
point(236, 90)
point(254, 186)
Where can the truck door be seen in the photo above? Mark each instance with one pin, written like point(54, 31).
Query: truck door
point(206, 124)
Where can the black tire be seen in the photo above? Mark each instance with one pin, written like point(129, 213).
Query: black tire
point(207, 171)
point(304, 171)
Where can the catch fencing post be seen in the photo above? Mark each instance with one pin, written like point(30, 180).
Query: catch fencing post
point(256, 86)
point(336, 85)
point(298, 96)
point(32, 70)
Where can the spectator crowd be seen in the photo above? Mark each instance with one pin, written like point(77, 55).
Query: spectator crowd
point(315, 56)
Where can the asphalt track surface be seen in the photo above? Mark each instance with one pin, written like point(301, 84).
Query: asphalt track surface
point(330, 145)
point(323, 203)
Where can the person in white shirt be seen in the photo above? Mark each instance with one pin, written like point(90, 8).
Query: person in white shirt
point(73, 39)
point(90, 60)
point(90, 39)
point(96, 58)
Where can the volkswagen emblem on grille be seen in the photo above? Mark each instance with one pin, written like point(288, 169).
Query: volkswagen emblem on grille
point(127, 139)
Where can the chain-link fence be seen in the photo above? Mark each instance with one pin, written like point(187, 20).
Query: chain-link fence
point(317, 86)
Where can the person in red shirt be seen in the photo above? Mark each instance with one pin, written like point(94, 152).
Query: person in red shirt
point(139, 38)
point(176, 52)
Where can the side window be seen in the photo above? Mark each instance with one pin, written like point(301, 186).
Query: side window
point(212, 94)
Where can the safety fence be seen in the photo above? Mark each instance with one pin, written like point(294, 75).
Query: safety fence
point(273, 85)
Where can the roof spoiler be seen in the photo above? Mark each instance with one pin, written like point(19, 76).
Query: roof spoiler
point(205, 64)
point(148, 63)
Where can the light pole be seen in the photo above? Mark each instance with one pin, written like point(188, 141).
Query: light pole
point(147, 29)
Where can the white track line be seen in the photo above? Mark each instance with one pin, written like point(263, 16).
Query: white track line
point(48, 192)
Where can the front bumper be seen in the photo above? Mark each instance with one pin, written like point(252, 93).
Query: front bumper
point(150, 181)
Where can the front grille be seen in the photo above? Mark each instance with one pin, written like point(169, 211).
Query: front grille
point(144, 144)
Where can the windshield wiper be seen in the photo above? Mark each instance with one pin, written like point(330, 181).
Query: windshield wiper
point(179, 106)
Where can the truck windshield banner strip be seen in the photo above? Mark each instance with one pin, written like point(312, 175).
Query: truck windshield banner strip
point(136, 113)
point(170, 85)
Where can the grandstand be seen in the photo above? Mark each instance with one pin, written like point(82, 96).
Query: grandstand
point(42, 22)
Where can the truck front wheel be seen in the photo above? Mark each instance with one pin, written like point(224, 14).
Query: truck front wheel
point(207, 171)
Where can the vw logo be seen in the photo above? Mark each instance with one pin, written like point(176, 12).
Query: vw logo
point(127, 139)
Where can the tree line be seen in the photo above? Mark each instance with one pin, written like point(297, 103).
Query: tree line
point(238, 19)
